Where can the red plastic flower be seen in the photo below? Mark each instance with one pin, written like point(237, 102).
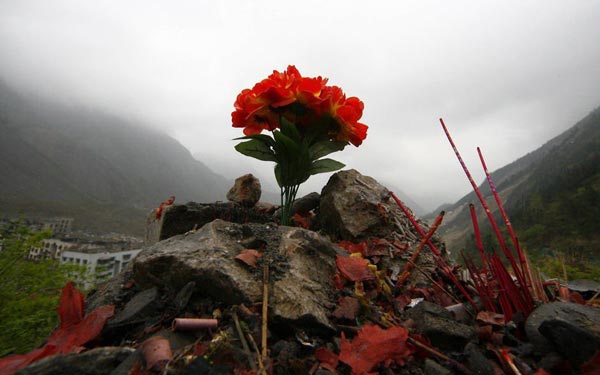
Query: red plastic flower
point(302, 101)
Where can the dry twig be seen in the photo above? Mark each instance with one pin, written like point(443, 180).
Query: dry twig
point(265, 310)
point(244, 342)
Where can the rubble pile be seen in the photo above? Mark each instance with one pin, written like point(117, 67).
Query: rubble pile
point(340, 293)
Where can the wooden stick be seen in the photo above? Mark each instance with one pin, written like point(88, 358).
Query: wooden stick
point(410, 264)
point(436, 284)
point(434, 352)
point(438, 258)
point(486, 208)
point(261, 365)
point(265, 310)
point(511, 231)
point(238, 327)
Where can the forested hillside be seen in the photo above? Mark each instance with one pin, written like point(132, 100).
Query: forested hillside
point(552, 196)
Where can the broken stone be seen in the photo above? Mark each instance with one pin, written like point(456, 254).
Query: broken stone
point(246, 191)
point(574, 343)
point(301, 264)
point(180, 219)
point(585, 318)
point(97, 361)
point(354, 207)
point(442, 330)
point(431, 367)
point(110, 292)
point(140, 307)
point(478, 362)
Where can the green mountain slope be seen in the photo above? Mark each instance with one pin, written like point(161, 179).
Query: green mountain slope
point(64, 161)
point(552, 196)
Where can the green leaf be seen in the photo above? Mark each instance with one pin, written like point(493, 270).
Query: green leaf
point(325, 165)
point(289, 129)
point(256, 149)
point(278, 175)
point(320, 149)
point(259, 137)
point(286, 145)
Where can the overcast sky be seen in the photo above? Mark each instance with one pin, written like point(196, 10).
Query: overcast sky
point(505, 75)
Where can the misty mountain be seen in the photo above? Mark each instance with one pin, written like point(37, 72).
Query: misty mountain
point(552, 195)
point(56, 160)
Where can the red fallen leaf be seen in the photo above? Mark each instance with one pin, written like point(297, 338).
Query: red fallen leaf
point(200, 349)
point(577, 298)
point(338, 281)
point(329, 360)
point(73, 332)
point(352, 247)
point(302, 221)
point(402, 247)
point(379, 246)
point(354, 269)
point(249, 257)
point(491, 318)
point(485, 333)
point(592, 367)
point(424, 292)
point(402, 301)
point(348, 308)
point(374, 345)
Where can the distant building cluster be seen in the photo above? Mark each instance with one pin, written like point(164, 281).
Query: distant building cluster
point(104, 256)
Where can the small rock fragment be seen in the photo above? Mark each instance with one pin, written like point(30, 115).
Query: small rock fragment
point(246, 191)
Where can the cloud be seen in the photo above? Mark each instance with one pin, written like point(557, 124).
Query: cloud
point(506, 76)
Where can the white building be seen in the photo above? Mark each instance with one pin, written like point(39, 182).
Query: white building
point(50, 248)
point(58, 225)
point(103, 263)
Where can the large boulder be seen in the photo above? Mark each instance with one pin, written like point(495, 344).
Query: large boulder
point(301, 263)
point(355, 207)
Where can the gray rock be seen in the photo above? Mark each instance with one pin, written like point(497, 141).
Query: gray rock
point(109, 292)
point(586, 318)
point(97, 361)
point(245, 191)
point(431, 367)
point(427, 308)
point(478, 362)
point(140, 307)
point(354, 207)
point(180, 219)
point(442, 330)
point(301, 262)
point(574, 343)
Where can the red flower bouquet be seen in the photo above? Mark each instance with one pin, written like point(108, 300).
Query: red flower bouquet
point(308, 119)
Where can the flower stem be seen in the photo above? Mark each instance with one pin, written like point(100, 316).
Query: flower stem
point(288, 195)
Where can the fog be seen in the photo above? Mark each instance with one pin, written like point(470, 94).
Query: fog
point(505, 76)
